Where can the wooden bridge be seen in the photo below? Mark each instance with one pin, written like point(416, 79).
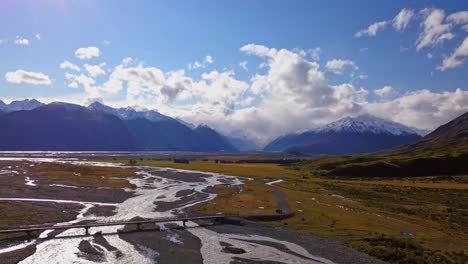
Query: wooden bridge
point(29, 229)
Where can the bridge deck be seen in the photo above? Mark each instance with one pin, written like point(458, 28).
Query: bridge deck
point(86, 226)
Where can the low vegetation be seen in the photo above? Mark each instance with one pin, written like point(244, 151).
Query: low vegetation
point(256, 170)
point(399, 220)
point(60, 173)
point(403, 165)
point(252, 198)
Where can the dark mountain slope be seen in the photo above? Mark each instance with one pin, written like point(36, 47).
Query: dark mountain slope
point(442, 152)
point(349, 135)
point(60, 126)
point(451, 138)
point(174, 136)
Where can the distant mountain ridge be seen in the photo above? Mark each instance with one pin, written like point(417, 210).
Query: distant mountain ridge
point(443, 152)
point(128, 113)
point(63, 126)
point(360, 134)
point(27, 104)
point(368, 124)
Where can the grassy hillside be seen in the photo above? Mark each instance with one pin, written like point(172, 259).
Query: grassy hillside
point(442, 152)
point(399, 220)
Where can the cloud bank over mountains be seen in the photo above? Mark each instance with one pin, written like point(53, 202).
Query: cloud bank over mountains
point(286, 90)
point(291, 93)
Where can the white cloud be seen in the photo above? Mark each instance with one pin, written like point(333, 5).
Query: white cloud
point(459, 18)
point(95, 70)
point(372, 29)
point(385, 91)
point(457, 58)
point(258, 50)
point(126, 61)
point(196, 65)
point(38, 36)
point(21, 76)
point(291, 93)
point(87, 53)
point(422, 109)
point(106, 42)
point(337, 66)
point(363, 49)
point(315, 53)
point(21, 41)
point(243, 65)
point(401, 21)
point(68, 65)
point(429, 55)
point(435, 32)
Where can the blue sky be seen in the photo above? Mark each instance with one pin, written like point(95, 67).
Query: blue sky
point(236, 88)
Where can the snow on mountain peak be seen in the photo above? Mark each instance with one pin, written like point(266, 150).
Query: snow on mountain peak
point(19, 105)
point(128, 113)
point(368, 123)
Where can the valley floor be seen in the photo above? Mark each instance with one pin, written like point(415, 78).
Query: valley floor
point(35, 191)
point(405, 220)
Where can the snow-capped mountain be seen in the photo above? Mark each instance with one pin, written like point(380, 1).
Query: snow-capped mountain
point(368, 124)
point(65, 126)
point(27, 104)
point(128, 113)
point(365, 133)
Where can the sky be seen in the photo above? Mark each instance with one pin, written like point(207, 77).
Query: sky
point(252, 69)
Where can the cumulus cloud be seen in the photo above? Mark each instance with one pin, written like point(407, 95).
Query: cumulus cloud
point(68, 65)
point(422, 108)
point(258, 50)
point(401, 21)
point(28, 77)
point(372, 29)
point(291, 93)
point(95, 70)
point(87, 53)
point(435, 31)
point(315, 53)
point(457, 58)
point(38, 36)
point(243, 65)
point(459, 18)
point(77, 80)
point(385, 91)
point(337, 66)
point(196, 65)
point(21, 41)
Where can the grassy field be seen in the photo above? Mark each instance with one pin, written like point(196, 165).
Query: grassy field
point(404, 220)
point(59, 173)
point(250, 199)
point(256, 170)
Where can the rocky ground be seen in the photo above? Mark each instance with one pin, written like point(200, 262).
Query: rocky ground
point(168, 193)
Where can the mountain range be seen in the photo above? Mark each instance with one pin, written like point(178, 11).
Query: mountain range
point(361, 134)
point(440, 153)
point(31, 125)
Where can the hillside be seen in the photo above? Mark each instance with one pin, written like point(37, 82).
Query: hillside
point(442, 152)
point(350, 135)
point(62, 126)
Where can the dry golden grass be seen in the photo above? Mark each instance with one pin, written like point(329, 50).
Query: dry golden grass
point(250, 198)
point(80, 175)
point(255, 170)
point(406, 220)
